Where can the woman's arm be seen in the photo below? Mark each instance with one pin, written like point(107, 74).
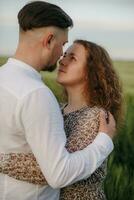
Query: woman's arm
point(22, 167)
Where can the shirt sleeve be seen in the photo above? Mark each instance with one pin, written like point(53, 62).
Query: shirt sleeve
point(43, 125)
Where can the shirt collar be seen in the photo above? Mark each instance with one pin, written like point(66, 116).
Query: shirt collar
point(28, 68)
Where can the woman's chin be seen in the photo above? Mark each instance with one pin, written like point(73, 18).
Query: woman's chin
point(58, 80)
point(61, 82)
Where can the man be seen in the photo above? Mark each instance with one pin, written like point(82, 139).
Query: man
point(31, 120)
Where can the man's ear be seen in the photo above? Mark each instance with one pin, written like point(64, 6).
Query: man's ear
point(48, 40)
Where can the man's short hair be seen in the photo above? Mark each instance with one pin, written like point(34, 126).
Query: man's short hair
point(40, 14)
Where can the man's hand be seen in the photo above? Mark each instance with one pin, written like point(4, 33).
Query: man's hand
point(107, 123)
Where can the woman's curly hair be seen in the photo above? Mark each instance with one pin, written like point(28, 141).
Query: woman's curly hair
point(104, 87)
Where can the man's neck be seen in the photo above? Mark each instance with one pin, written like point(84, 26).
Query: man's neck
point(27, 58)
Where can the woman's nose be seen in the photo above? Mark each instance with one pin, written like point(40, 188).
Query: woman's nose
point(63, 60)
point(60, 62)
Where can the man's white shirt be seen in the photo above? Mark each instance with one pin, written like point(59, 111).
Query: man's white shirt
point(31, 121)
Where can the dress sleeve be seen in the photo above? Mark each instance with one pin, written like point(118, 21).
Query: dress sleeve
point(22, 167)
point(86, 130)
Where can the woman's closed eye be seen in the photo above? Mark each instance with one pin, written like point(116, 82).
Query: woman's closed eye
point(72, 58)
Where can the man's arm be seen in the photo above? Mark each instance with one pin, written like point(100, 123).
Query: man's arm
point(43, 125)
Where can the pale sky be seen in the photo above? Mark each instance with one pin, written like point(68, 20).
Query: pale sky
point(109, 23)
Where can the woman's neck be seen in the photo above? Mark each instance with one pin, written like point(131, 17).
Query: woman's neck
point(76, 99)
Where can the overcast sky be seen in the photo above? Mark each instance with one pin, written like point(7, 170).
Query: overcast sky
point(109, 23)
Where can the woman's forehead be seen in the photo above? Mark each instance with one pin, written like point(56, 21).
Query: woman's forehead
point(74, 48)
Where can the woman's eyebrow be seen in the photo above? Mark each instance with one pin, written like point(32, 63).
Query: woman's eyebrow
point(70, 54)
point(73, 54)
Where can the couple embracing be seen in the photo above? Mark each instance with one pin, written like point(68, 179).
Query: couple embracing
point(50, 151)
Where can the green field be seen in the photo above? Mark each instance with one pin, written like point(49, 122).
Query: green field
point(3, 60)
point(119, 184)
point(125, 70)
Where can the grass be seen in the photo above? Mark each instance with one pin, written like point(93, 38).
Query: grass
point(3, 60)
point(119, 184)
point(125, 70)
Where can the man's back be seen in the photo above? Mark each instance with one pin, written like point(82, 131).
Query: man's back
point(17, 81)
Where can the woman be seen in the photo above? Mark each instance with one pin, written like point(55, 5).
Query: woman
point(91, 84)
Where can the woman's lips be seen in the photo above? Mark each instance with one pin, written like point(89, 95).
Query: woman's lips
point(61, 70)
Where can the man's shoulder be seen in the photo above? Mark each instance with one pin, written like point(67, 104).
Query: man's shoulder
point(18, 82)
